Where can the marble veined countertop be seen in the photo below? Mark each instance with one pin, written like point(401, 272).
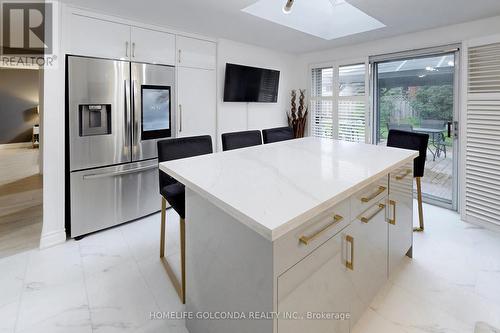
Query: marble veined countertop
point(274, 188)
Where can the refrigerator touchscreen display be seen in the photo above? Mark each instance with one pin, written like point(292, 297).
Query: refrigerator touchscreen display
point(156, 112)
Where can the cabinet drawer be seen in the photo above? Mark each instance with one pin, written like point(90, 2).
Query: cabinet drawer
point(368, 196)
point(297, 244)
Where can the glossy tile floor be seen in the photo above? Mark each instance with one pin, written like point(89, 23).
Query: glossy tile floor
point(112, 280)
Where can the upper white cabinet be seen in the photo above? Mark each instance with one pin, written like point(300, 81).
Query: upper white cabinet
point(196, 53)
point(152, 46)
point(196, 97)
point(95, 37)
point(98, 38)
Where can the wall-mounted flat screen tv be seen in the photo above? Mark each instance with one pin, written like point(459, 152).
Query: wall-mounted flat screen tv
point(251, 84)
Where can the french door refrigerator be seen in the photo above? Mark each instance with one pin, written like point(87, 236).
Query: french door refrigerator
point(116, 112)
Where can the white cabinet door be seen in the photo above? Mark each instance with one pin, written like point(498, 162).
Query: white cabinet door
point(152, 46)
point(197, 53)
point(400, 215)
point(98, 38)
point(369, 257)
point(196, 110)
point(319, 285)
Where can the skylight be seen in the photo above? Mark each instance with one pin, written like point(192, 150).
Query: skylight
point(326, 19)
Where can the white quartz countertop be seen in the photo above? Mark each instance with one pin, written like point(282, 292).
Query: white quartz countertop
point(274, 188)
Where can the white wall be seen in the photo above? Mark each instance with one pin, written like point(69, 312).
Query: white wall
point(243, 116)
point(418, 40)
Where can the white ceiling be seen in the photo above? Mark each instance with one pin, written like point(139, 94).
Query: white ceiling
point(224, 18)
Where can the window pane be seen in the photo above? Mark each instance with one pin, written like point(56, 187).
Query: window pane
point(352, 80)
point(352, 121)
point(322, 82)
point(322, 124)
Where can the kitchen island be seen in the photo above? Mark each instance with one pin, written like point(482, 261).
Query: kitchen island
point(295, 236)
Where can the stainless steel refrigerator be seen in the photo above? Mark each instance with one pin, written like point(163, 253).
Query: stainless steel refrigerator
point(116, 112)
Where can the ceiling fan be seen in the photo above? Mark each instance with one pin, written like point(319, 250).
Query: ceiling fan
point(289, 4)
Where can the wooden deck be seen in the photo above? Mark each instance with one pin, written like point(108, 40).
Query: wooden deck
point(438, 178)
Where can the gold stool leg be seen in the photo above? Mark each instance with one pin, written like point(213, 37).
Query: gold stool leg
point(163, 225)
point(183, 259)
point(420, 206)
point(180, 287)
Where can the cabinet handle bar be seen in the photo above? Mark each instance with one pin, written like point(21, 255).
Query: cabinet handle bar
point(363, 219)
point(393, 220)
point(350, 264)
point(404, 175)
point(372, 196)
point(308, 239)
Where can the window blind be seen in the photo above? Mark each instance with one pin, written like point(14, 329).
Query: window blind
point(482, 156)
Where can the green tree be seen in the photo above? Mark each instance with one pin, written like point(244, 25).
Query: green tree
point(433, 102)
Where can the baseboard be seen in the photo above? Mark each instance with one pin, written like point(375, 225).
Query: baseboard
point(52, 238)
point(484, 224)
point(16, 145)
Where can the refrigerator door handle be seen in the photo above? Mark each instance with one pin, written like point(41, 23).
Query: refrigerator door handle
point(119, 173)
point(127, 115)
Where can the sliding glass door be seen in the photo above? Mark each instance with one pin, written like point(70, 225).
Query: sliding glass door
point(419, 94)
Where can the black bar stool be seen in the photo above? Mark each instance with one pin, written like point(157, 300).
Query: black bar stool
point(174, 193)
point(413, 141)
point(237, 140)
point(277, 134)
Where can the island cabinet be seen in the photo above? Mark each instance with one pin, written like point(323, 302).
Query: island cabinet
point(293, 247)
point(400, 215)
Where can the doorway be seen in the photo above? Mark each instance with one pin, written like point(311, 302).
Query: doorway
point(20, 167)
point(419, 93)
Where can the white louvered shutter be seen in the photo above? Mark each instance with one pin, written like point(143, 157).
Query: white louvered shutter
point(322, 102)
point(482, 156)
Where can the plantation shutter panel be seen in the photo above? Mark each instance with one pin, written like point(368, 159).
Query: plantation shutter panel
point(482, 156)
point(352, 103)
point(322, 102)
point(339, 102)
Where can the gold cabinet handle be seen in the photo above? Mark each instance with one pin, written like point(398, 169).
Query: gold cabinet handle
point(308, 239)
point(393, 220)
point(372, 196)
point(381, 207)
point(350, 264)
point(403, 176)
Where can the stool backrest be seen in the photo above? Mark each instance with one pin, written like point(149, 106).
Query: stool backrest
point(237, 140)
point(174, 149)
point(277, 134)
point(412, 141)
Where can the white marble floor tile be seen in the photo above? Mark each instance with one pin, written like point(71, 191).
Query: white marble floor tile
point(143, 237)
point(488, 286)
point(414, 314)
point(103, 250)
point(120, 300)
point(54, 266)
point(39, 305)
point(372, 322)
point(8, 317)
point(74, 320)
point(12, 273)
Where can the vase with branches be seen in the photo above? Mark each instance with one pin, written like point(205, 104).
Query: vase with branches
point(297, 119)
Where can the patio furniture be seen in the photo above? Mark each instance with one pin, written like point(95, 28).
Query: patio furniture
point(438, 140)
point(433, 134)
point(401, 127)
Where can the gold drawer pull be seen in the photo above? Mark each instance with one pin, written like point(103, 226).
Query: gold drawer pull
point(393, 220)
point(403, 176)
point(380, 190)
point(381, 207)
point(350, 264)
point(307, 239)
